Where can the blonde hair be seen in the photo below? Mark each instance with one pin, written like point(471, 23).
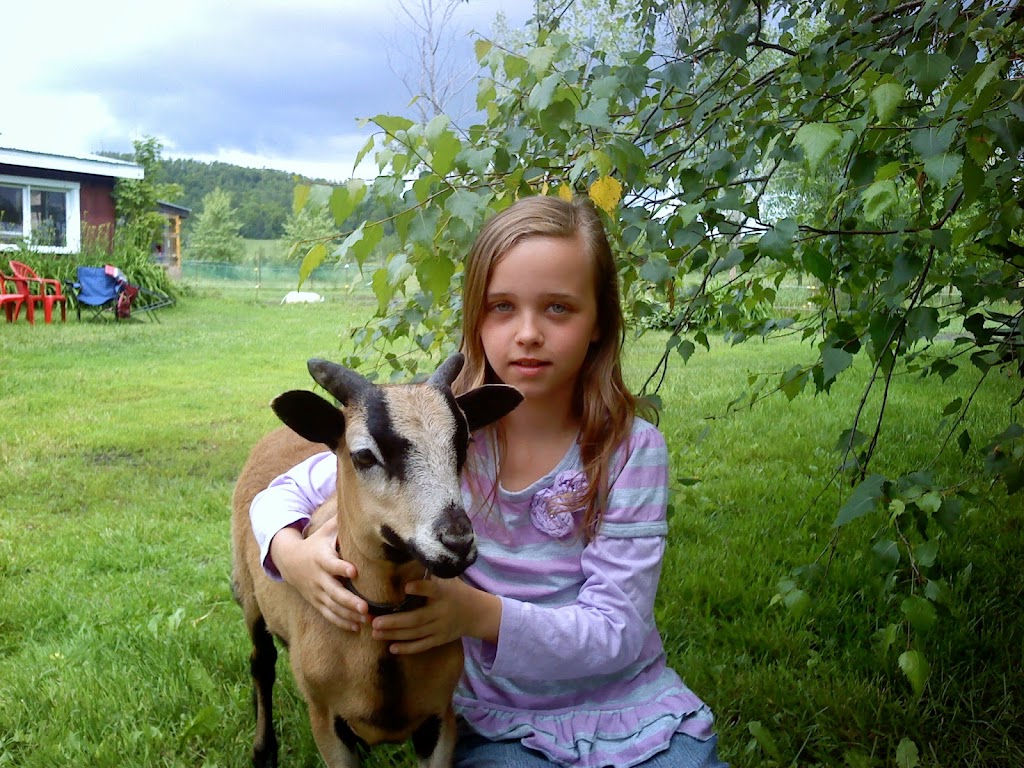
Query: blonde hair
point(601, 400)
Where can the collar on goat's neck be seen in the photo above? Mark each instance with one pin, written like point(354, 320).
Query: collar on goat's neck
point(410, 603)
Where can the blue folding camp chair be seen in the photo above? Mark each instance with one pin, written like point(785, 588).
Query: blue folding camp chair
point(106, 289)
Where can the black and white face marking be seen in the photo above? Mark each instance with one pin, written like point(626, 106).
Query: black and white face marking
point(407, 445)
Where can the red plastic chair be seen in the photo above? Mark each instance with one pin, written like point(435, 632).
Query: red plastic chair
point(11, 302)
point(49, 291)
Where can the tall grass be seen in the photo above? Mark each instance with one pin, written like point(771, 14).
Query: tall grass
point(120, 643)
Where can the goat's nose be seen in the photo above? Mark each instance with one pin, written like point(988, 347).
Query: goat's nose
point(457, 533)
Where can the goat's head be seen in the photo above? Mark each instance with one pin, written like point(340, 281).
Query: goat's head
point(400, 451)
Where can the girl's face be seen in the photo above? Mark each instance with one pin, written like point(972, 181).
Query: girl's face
point(540, 317)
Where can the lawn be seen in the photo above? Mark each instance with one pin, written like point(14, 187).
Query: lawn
point(120, 643)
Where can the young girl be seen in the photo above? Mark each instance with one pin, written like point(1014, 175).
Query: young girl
point(564, 663)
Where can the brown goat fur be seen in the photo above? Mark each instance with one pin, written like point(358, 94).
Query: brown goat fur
point(356, 690)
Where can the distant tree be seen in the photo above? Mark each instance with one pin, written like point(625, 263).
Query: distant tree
point(433, 75)
point(312, 223)
point(261, 218)
point(216, 234)
point(136, 199)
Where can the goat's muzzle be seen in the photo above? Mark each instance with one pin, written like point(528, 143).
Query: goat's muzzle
point(455, 532)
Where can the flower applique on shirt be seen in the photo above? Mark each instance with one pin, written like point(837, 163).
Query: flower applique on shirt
point(553, 510)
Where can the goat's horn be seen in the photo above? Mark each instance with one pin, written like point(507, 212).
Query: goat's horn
point(340, 381)
point(446, 373)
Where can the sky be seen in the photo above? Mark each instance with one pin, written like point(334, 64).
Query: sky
point(264, 83)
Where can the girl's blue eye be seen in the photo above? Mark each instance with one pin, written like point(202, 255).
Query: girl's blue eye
point(501, 306)
point(558, 309)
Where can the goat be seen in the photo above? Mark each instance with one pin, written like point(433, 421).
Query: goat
point(400, 449)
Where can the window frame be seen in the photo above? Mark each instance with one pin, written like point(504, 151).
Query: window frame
point(72, 212)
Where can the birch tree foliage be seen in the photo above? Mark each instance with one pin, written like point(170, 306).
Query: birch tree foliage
point(903, 119)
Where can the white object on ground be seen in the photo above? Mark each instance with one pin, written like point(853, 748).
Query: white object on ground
point(301, 297)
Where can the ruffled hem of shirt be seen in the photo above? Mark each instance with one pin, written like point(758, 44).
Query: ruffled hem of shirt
point(595, 738)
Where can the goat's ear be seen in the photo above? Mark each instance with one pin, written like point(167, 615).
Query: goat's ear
point(485, 405)
point(311, 417)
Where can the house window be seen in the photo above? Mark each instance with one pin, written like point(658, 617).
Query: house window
point(41, 212)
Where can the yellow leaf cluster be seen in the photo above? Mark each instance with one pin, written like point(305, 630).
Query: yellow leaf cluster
point(606, 193)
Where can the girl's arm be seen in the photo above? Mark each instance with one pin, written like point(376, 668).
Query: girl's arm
point(279, 514)
point(289, 501)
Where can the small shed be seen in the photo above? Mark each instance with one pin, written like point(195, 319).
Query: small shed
point(54, 201)
point(169, 253)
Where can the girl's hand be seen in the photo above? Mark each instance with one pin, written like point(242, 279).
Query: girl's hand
point(313, 567)
point(453, 610)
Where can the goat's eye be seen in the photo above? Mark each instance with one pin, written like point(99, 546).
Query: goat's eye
point(364, 458)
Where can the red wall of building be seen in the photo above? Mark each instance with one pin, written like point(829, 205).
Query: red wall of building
point(98, 214)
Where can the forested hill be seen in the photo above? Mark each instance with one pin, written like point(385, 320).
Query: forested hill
point(262, 197)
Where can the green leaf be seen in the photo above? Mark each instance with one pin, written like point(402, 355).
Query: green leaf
point(777, 242)
point(486, 93)
point(678, 74)
point(887, 553)
point(963, 442)
point(344, 199)
point(540, 58)
point(817, 264)
point(360, 243)
point(685, 348)
point(928, 70)
point(595, 114)
point(922, 323)
point(393, 124)
point(933, 140)
point(314, 258)
point(834, 361)
point(465, 205)
point(878, 198)
point(886, 99)
point(481, 48)
point(793, 381)
point(907, 754)
point(363, 152)
point(299, 197)
point(445, 149)
point(382, 289)
point(919, 612)
point(764, 739)
point(797, 602)
point(733, 44)
point(948, 513)
point(926, 552)
point(435, 274)
point(657, 269)
point(817, 140)
point(543, 93)
point(864, 499)
point(886, 636)
point(929, 502)
point(942, 168)
point(953, 406)
point(915, 667)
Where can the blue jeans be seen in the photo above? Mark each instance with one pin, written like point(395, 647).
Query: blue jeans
point(474, 751)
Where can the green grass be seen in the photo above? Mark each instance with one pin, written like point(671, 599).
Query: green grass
point(120, 643)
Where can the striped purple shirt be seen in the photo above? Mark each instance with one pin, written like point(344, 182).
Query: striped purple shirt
point(579, 672)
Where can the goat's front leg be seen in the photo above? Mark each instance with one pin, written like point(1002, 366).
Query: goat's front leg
point(434, 741)
point(262, 664)
point(334, 739)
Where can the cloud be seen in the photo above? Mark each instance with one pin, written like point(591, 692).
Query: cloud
point(277, 81)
